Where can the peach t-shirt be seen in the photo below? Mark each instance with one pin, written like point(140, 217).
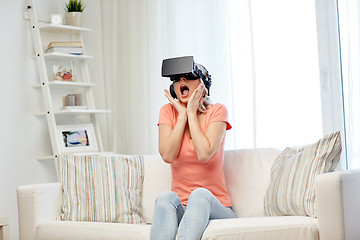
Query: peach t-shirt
point(187, 172)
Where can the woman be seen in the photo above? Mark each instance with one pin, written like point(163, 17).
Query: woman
point(191, 139)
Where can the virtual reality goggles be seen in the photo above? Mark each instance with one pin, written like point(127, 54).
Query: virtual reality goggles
point(175, 68)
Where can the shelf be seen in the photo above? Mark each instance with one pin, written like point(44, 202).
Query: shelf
point(84, 111)
point(67, 85)
point(54, 55)
point(49, 157)
point(77, 111)
point(58, 28)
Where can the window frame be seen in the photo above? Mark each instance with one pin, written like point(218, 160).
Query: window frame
point(332, 102)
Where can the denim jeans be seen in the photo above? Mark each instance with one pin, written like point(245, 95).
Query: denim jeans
point(188, 222)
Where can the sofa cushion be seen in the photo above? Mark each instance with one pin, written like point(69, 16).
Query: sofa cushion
point(291, 189)
point(247, 174)
point(157, 178)
point(69, 230)
point(269, 228)
point(101, 188)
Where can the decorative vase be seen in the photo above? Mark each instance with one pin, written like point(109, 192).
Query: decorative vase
point(73, 18)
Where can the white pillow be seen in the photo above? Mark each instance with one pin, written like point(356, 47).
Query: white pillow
point(291, 189)
point(101, 188)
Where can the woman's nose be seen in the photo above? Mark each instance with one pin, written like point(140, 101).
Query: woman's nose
point(183, 79)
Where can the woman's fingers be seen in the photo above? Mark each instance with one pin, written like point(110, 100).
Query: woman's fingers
point(168, 96)
point(199, 92)
point(174, 102)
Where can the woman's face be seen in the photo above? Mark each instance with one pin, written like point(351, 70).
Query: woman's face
point(185, 88)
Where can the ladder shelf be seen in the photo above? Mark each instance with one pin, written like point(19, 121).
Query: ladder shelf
point(50, 85)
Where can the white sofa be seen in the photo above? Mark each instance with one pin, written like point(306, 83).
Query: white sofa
point(247, 175)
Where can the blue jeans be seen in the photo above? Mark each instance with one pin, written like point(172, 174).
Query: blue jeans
point(171, 217)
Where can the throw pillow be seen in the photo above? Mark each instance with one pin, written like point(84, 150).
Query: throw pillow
point(291, 189)
point(101, 188)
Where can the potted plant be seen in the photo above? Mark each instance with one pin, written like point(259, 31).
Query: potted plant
point(74, 9)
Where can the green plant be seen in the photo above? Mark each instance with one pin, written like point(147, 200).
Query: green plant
point(75, 6)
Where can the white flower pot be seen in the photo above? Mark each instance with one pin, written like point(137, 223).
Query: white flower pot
point(73, 18)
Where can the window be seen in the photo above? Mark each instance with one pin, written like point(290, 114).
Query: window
point(349, 30)
point(275, 72)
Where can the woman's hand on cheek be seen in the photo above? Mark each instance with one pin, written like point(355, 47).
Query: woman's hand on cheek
point(180, 108)
point(194, 101)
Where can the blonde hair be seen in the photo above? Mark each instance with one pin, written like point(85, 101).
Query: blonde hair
point(205, 102)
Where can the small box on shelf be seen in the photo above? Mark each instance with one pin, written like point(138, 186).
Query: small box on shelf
point(73, 101)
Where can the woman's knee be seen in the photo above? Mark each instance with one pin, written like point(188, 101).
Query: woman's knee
point(200, 194)
point(168, 197)
point(168, 203)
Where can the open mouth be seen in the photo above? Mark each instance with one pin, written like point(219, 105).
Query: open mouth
point(184, 90)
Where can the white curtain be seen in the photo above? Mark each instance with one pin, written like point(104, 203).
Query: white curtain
point(138, 35)
point(246, 46)
point(349, 19)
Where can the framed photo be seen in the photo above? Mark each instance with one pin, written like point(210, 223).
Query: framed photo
point(77, 138)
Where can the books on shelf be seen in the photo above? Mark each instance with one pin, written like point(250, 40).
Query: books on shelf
point(65, 44)
point(70, 47)
point(69, 50)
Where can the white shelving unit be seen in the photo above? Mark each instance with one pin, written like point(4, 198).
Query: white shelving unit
point(48, 85)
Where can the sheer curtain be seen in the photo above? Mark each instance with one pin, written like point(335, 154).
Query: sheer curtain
point(263, 61)
point(349, 18)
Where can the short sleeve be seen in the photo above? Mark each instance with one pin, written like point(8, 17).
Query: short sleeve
point(220, 114)
point(166, 115)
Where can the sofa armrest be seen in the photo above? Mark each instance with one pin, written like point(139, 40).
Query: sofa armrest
point(37, 203)
point(337, 202)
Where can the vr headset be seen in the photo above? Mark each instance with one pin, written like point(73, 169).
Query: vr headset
point(175, 68)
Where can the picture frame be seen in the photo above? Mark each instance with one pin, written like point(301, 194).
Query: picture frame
point(77, 138)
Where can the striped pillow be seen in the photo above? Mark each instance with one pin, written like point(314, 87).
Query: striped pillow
point(291, 188)
point(101, 188)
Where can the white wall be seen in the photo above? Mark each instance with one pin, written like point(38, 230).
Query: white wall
point(24, 136)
